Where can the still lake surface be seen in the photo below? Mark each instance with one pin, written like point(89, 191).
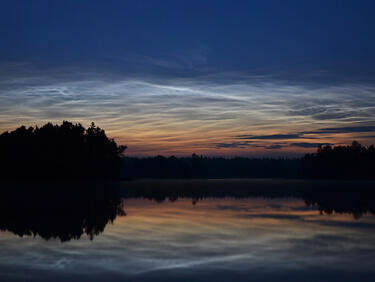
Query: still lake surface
point(219, 230)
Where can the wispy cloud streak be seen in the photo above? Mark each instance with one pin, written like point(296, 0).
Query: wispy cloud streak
point(182, 116)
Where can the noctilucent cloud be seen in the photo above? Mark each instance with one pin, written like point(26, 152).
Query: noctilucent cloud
point(245, 78)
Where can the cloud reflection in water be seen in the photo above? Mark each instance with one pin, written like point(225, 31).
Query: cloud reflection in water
point(221, 238)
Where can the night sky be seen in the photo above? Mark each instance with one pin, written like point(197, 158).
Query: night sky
point(229, 78)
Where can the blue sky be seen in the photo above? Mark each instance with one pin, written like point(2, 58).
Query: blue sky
point(182, 76)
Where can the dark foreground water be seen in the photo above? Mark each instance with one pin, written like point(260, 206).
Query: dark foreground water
point(239, 230)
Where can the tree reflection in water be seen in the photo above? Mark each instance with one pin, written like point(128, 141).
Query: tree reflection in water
point(68, 210)
point(351, 197)
point(58, 211)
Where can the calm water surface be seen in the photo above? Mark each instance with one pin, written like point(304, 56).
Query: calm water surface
point(253, 238)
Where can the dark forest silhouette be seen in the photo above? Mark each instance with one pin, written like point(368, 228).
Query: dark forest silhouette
point(206, 167)
point(338, 162)
point(59, 151)
point(69, 151)
point(354, 161)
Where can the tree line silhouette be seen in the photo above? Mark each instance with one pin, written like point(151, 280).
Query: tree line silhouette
point(354, 162)
point(329, 162)
point(160, 167)
point(71, 151)
point(59, 151)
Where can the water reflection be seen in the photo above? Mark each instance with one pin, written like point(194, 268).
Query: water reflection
point(58, 211)
point(356, 198)
point(69, 210)
point(219, 232)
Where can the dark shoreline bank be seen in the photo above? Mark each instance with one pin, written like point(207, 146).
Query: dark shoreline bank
point(197, 182)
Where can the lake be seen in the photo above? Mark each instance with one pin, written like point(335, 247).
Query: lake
point(188, 230)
